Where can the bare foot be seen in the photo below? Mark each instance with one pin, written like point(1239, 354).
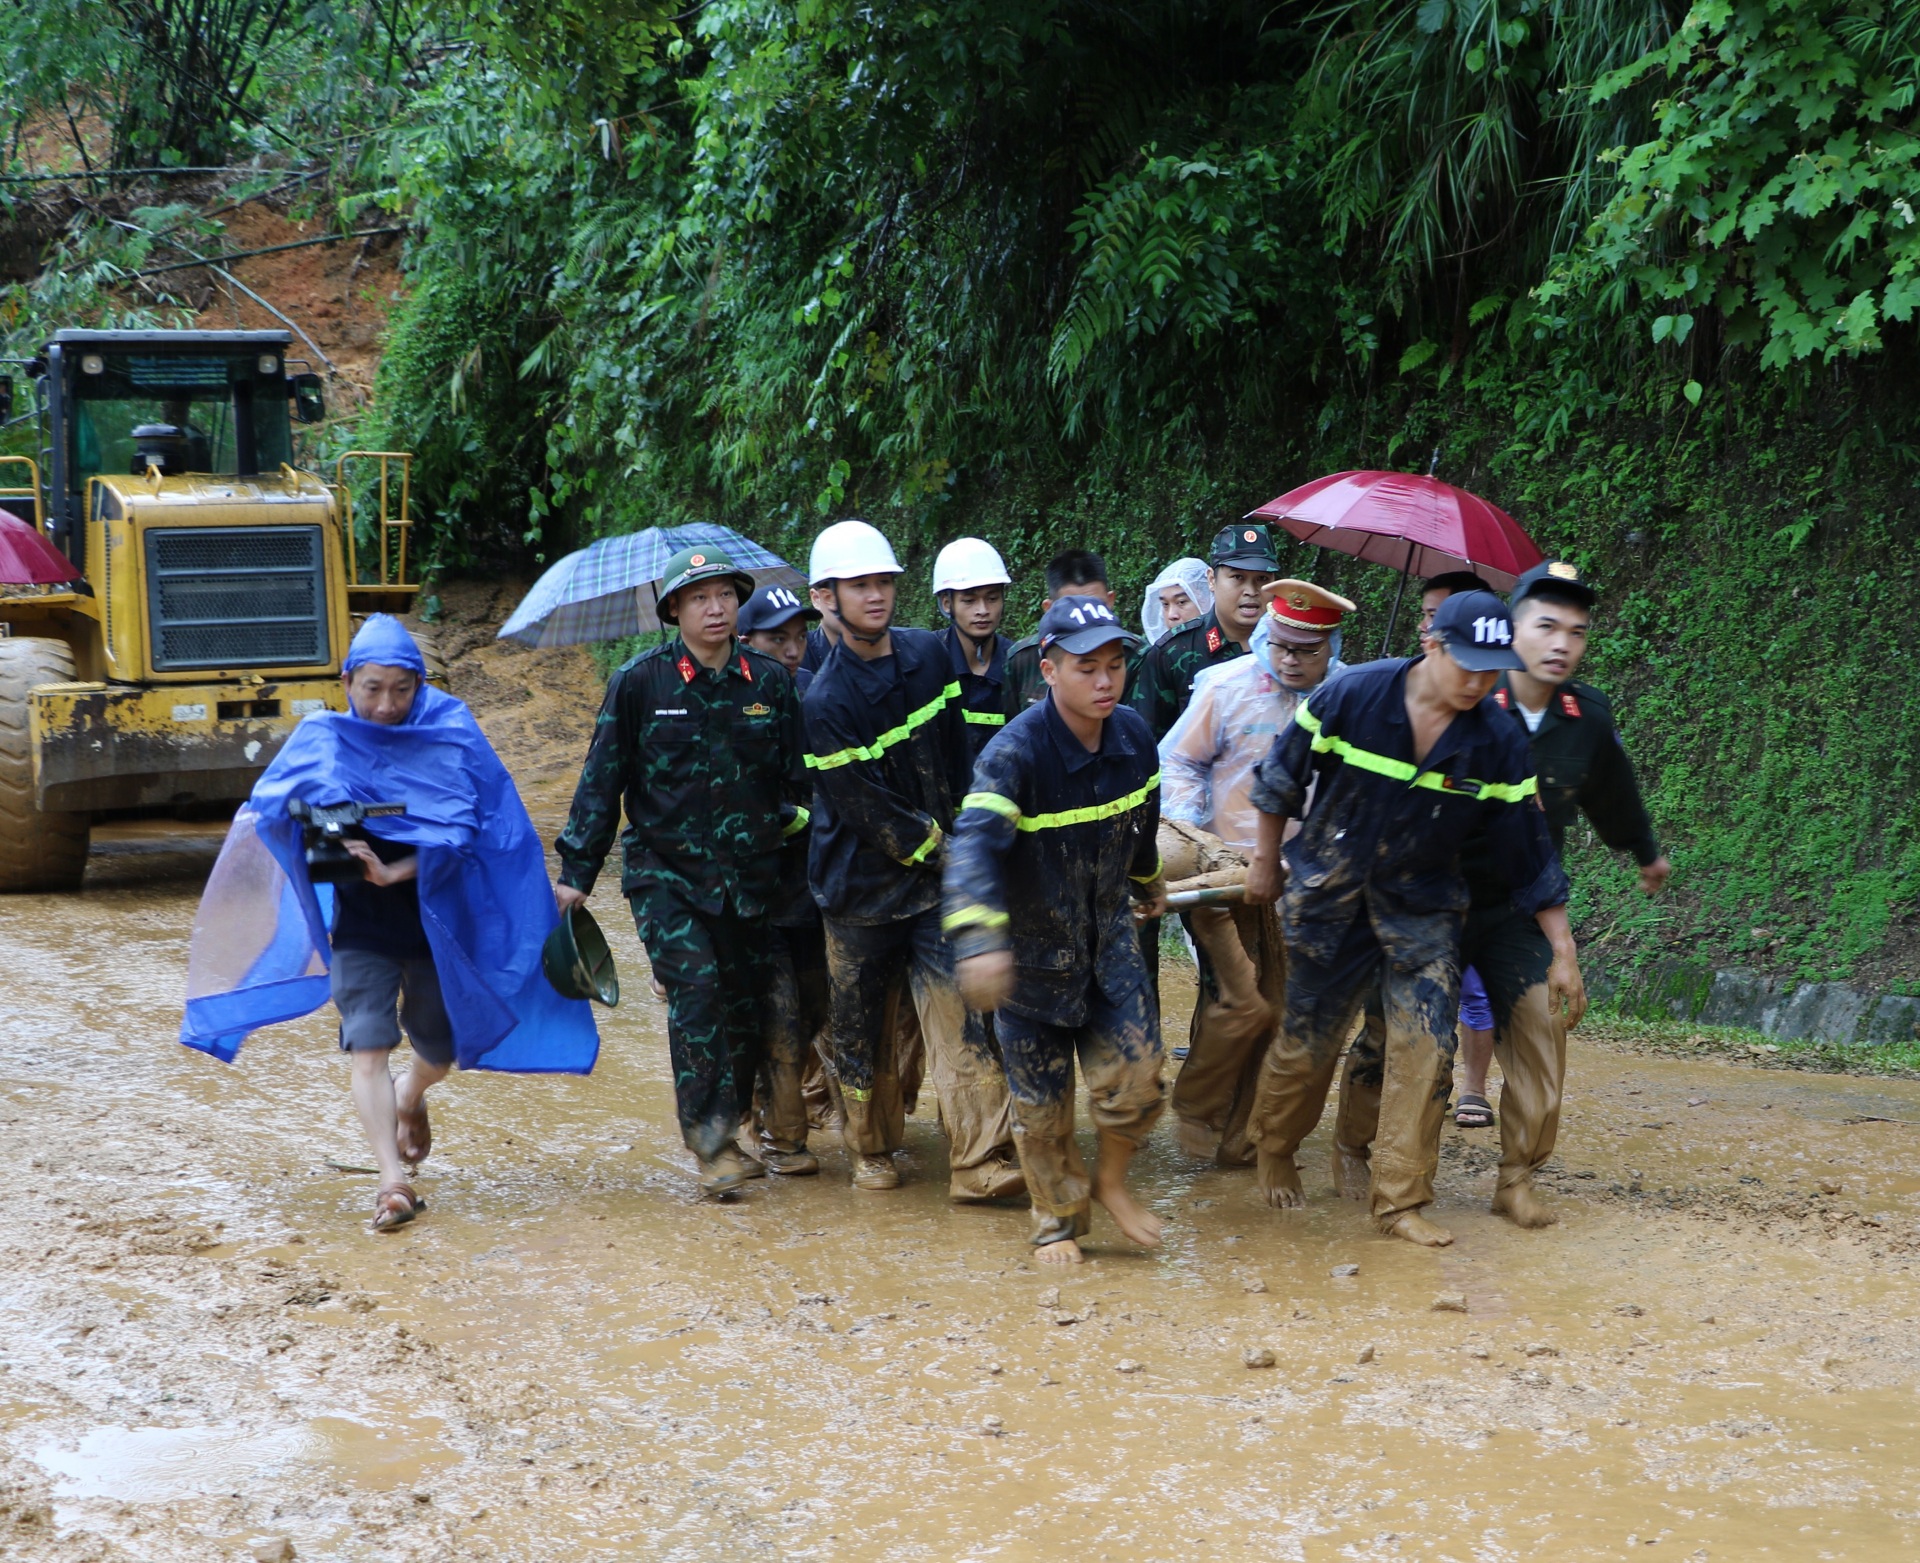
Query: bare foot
point(1064, 1252)
point(1137, 1224)
point(1416, 1228)
point(1279, 1181)
point(1523, 1207)
point(1352, 1173)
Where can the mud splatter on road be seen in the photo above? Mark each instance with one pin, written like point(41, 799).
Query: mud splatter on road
point(571, 1357)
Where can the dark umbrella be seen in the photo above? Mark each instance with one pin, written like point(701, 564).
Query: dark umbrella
point(1417, 525)
point(27, 558)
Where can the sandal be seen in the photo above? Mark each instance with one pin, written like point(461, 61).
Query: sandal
point(396, 1205)
point(1473, 1112)
point(415, 1133)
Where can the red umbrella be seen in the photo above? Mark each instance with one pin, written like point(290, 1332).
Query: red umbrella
point(27, 558)
point(1418, 525)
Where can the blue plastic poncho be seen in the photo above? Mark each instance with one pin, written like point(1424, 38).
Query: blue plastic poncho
point(260, 946)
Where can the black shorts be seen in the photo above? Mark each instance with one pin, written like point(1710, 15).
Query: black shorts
point(368, 989)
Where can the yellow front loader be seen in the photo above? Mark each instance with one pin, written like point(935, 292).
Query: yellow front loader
point(218, 585)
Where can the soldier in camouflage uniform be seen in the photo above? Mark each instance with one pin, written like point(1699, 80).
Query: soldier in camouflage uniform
point(1075, 571)
point(1240, 562)
point(702, 739)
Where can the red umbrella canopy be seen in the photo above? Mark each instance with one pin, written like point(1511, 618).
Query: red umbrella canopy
point(27, 558)
point(1415, 524)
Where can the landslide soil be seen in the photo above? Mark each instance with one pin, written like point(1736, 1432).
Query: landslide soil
point(203, 1351)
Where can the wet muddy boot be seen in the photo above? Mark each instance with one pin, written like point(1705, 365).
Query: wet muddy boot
point(1521, 1204)
point(746, 1143)
point(988, 1183)
point(791, 1164)
point(875, 1173)
point(725, 1172)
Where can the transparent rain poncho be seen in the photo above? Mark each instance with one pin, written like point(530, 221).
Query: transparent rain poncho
point(1190, 575)
point(1208, 757)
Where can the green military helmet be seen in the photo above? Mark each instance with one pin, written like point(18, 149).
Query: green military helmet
point(577, 961)
point(702, 562)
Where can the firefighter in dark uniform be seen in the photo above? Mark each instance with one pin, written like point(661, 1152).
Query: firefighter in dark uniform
point(1407, 760)
point(1582, 767)
point(1054, 846)
point(701, 738)
point(774, 621)
point(970, 584)
point(1241, 561)
point(887, 750)
point(1077, 572)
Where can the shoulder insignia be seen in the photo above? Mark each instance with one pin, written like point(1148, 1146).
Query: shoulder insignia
point(1500, 695)
point(1568, 704)
point(685, 665)
point(756, 709)
point(745, 671)
point(1215, 640)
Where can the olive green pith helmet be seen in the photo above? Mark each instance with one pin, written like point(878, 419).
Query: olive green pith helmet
point(699, 563)
point(577, 961)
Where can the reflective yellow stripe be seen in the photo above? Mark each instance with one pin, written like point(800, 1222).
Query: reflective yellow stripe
point(925, 849)
point(892, 736)
point(1159, 863)
point(973, 917)
point(1402, 771)
point(797, 824)
point(986, 718)
point(1094, 812)
point(992, 802)
point(854, 1093)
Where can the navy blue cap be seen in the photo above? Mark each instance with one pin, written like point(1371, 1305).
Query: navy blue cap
point(1559, 577)
point(1078, 625)
point(1478, 632)
point(770, 607)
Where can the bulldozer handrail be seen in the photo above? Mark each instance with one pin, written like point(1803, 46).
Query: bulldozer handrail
point(33, 492)
point(392, 572)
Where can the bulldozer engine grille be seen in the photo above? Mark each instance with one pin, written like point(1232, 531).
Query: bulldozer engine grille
point(231, 597)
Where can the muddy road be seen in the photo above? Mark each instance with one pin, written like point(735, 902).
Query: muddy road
point(204, 1354)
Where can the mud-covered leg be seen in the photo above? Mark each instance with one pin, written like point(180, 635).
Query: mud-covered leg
point(1358, 1118)
point(1039, 1069)
point(1530, 1040)
point(788, 1033)
point(967, 1075)
point(1422, 1009)
point(682, 945)
point(1120, 1056)
point(1297, 1072)
point(861, 962)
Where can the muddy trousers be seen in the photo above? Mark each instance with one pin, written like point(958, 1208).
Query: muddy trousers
point(1512, 955)
point(1420, 1007)
point(1242, 967)
point(713, 968)
point(794, 1014)
point(1118, 1046)
point(963, 1061)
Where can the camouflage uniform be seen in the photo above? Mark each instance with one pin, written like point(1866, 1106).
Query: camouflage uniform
point(1043, 854)
point(710, 766)
point(888, 751)
point(1025, 685)
point(1163, 683)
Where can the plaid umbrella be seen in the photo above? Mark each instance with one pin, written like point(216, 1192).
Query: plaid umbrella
point(607, 590)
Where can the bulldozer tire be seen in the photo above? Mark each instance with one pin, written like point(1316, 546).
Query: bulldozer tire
point(38, 850)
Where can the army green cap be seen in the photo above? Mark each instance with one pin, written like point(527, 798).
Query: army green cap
point(699, 563)
point(576, 959)
point(1245, 545)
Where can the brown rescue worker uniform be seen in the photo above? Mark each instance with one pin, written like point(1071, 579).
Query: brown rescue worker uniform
point(1207, 829)
point(1582, 766)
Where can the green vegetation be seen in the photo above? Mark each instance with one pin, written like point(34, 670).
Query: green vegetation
point(1641, 272)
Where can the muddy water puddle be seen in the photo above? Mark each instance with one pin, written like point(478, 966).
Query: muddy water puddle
point(572, 1357)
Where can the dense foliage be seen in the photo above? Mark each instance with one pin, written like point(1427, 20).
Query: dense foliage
point(1060, 272)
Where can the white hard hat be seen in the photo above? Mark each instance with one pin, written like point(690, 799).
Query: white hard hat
point(848, 550)
point(967, 562)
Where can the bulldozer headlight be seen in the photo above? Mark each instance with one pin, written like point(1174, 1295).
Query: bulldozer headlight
point(269, 365)
point(93, 363)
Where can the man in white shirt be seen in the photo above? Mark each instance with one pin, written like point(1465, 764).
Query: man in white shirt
point(1209, 823)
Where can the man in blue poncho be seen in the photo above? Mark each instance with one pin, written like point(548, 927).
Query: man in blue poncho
point(441, 934)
